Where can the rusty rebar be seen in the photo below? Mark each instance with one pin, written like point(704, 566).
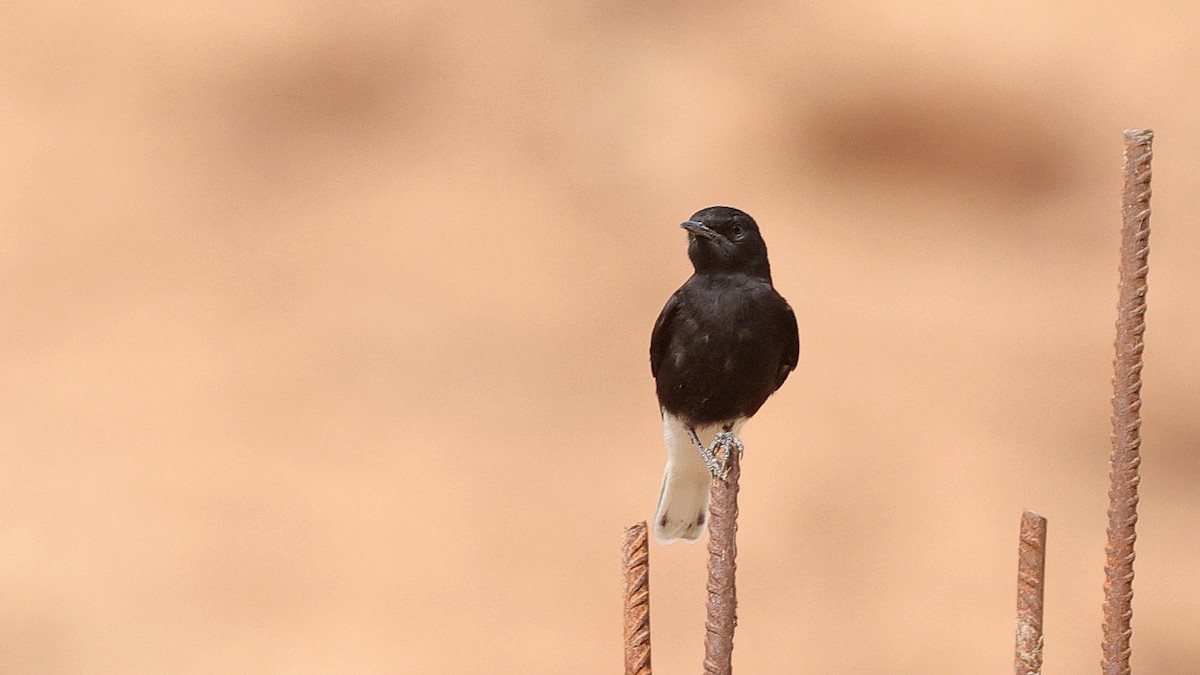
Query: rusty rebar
point(1127, 403)
point(1031, 579)
point(635, 561)
point(722, 569)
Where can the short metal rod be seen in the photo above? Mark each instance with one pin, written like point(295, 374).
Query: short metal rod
point(1031, 579)
point(635, 561)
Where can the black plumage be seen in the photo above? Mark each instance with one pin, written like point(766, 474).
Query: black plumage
point(726, 340)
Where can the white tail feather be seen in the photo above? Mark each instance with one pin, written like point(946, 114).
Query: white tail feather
point(683, 503)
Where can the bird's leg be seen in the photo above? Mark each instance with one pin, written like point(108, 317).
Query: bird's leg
point(724, 442)
point(710, 460)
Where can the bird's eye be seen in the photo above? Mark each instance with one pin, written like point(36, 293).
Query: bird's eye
point(736, 231)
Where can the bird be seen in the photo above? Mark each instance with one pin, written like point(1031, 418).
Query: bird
point(723, 343)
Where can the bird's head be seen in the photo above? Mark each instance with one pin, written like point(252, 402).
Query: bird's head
point(724, 239)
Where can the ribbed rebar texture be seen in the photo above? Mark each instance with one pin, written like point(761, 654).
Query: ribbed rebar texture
point(1127, 403)
point(722, 570)
point(1031, 578)
point(635, 560)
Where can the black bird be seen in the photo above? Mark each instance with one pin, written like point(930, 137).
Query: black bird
point(724, 342)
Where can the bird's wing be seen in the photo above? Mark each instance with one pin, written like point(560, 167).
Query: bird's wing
point(661, 337)
point(791, 344)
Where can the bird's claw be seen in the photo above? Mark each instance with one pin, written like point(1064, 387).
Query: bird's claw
point(717, 457)
point(726, 443)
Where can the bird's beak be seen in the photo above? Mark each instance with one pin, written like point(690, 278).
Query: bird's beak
point(700, 229)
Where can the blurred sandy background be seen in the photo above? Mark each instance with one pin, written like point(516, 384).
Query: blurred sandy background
point(324, 329)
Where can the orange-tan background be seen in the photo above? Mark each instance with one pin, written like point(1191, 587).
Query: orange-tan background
point(324, 329)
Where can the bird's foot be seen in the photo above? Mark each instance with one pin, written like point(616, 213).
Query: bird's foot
point(716, 458)
point(723, 447)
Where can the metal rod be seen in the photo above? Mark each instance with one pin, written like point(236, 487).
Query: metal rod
point(1127, 403)
point(635, 560)
point(722, 570)
point(1031, 579)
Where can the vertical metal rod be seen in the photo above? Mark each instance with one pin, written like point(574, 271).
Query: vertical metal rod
point(635, 561)
point(1127, 403)
point(1031, 579)
point(722, 570)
